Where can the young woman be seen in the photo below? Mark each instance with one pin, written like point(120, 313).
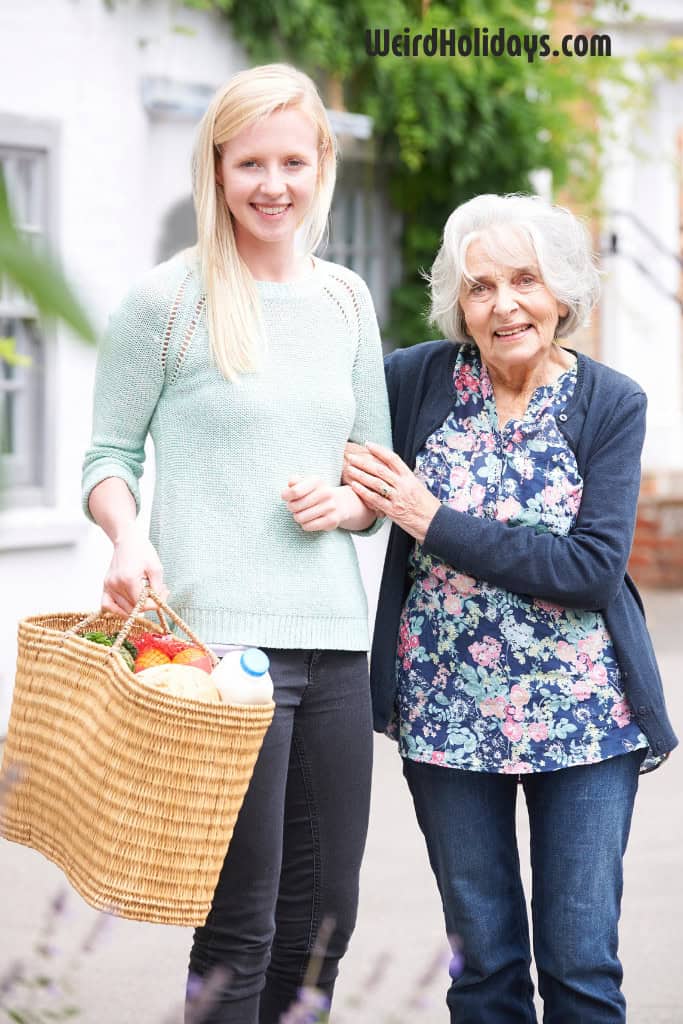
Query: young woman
point(251, 362)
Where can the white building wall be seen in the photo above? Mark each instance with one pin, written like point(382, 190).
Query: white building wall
point(80, 65)
point(642, 328)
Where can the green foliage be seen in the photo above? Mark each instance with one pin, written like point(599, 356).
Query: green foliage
point(448, 128)
point(9, 354)
point(37, 276)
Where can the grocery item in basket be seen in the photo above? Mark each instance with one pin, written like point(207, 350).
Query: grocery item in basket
point(128, 650)
point(168, 643)
point(161, 648)
point(242, 677)
point(194, 656)
point(181, 681)
point(150, 658)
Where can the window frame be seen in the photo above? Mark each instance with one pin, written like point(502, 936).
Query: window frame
point(19, 132)
point(360, 183)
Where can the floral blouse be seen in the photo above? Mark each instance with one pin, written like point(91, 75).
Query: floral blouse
point(490, 680)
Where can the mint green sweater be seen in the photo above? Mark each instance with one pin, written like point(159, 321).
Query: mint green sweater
point(239, 569)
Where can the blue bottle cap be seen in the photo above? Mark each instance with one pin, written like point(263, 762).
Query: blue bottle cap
point(255, 662)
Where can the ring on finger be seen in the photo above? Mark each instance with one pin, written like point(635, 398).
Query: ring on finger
point(385, 491)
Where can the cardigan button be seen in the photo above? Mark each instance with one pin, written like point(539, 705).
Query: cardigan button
point(642, 710)
point(562, 417)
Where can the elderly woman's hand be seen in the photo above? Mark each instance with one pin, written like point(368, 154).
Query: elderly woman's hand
point(351, 448)
point(386, 485)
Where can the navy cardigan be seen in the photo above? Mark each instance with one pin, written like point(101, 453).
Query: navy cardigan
point(604, 423)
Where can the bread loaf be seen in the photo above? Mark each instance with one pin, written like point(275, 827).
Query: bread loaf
point(180, 681)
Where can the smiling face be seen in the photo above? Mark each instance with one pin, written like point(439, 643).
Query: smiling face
point(269, 175)
point(509, 311)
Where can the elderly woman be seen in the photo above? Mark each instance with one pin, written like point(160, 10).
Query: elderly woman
point(510, 644)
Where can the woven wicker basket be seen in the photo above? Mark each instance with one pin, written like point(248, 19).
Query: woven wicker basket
point(132, 793)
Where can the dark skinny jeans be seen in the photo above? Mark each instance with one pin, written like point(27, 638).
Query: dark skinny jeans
point(295, 855)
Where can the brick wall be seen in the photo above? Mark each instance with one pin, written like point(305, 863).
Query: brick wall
point(657, 554)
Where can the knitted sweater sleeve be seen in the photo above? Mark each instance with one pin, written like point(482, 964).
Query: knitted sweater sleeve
point(586, 568)
point(128, 382)
point(372, 421)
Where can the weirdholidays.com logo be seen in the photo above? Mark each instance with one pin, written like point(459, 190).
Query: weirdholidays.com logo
point(482, 42)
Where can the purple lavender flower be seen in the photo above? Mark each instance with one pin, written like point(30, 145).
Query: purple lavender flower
point(13, 975)
point(203, 993)
point(310, 1007)
point(59, 901)
point(457, 964)
point(100, 929)
point(47, 950)
point(195, 984)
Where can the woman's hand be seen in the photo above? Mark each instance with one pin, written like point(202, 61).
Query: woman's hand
point(386, 485)
point(351, 448)
point(134, 559)
point(317, 506)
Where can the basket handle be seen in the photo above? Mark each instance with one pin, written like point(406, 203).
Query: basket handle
point(74, 630)
point(145, 594)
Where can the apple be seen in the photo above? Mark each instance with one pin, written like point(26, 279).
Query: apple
point(194, 656)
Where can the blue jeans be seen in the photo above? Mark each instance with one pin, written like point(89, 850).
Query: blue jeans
point(295, 855)
point(579, 823)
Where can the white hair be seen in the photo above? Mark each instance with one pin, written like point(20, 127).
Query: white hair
point(559, 240)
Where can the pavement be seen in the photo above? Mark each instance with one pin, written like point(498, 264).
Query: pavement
point(395, 971)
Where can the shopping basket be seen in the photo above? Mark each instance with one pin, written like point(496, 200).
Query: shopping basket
point(133, 793)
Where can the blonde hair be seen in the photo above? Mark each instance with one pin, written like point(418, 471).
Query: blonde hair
point(232, 306)
point(560, 242)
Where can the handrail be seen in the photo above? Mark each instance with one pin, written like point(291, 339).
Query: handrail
point(649, 234)
point(614, 250)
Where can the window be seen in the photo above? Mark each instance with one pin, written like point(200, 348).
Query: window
point(363, 231)
point(178, 229)
point(27, 152)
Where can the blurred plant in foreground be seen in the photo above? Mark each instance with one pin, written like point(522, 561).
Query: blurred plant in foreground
point(9, 354)
point(47, 984)
point(44, 987)
point(37, 276)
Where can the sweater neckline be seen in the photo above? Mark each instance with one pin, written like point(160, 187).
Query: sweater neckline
point(300, 286)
